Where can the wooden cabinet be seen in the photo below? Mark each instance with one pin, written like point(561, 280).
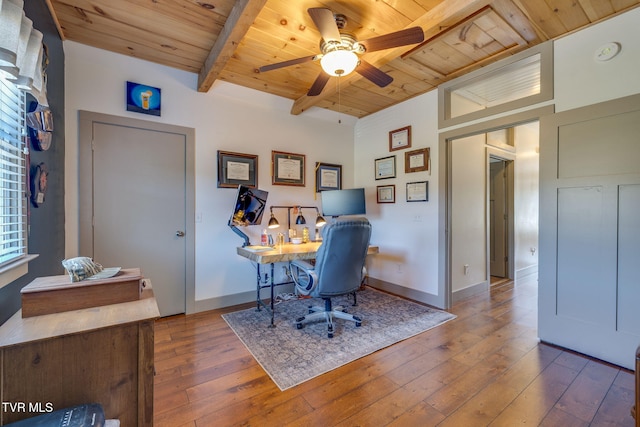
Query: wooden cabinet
point(101, 354)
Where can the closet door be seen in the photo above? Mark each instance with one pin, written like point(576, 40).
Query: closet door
point(137, 202)
point(589, 230)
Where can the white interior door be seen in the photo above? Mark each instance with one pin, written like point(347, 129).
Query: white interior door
point(139, 217)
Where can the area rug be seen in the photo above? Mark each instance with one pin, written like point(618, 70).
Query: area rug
point(291, 356)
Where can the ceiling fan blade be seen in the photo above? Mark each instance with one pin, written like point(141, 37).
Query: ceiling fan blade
point(374, 74)
point(319, 84)
point(325, 22)
point(411, 35)
point(288, 63)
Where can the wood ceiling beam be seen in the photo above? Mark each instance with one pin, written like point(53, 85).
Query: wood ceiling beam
point(54, 16)
point(240, 19)
point(447, 11)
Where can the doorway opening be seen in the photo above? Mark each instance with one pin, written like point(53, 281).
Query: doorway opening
point(492, 218)
point(500, 222)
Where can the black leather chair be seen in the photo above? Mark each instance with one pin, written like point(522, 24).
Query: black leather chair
point(338, 270)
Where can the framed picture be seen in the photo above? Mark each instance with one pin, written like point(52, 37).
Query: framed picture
point(400, 138)
point(416, 160)
point(143, 99)
point(328, 177)
point(386, 193)
point(418, 191)
point(237, 168)
point(385, 167)
point(287, 168)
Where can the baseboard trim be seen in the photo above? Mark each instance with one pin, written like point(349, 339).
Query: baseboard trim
point(236, 299)
point(224, 301)
point(469, 291)
point(402, 291)
point(527, 272)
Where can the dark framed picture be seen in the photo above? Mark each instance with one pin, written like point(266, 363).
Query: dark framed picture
point(416, 160)
point(143, 99)
point(237, 169)
point(287, 168)
point(328, 177)
point(386, 193)
point(418, 191)
point(400, 139)
point(385, 167)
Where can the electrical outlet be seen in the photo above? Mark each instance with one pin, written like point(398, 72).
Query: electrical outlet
point(466, 269)
point(417, 218)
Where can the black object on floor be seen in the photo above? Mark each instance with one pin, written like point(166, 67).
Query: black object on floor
point(88, 415)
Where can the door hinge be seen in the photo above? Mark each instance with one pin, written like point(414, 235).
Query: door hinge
point(506, 259)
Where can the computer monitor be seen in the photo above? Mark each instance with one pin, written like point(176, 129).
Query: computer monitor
point(248, 207)
point(343, 202)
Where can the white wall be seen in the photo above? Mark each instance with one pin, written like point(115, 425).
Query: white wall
point(228, 117)
point(580, 80)
point(407, 232)
point(468, 212)
point(526, 196)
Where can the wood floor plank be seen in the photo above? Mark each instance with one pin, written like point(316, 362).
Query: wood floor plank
point(338, 410)
point(438, 377)
point(490, 402)
point(538, 398)
point(385, 410)
point(615, 408)
point(269, 408)
point(558, 417)
point(486, 367)
point(586, 393)
point(422, 414)
point(455, 394)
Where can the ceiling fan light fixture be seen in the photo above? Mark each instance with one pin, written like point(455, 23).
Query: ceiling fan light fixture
point(339, 62)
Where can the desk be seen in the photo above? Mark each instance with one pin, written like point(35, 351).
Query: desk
point(99, 354)
point(288, 252)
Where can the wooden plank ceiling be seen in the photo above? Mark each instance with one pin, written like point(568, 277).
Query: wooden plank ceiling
point(229, 40)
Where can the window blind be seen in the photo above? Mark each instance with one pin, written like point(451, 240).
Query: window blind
point(13, 201)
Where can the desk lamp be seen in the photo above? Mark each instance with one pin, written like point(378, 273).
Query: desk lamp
point(273, 222)
point(300, 219)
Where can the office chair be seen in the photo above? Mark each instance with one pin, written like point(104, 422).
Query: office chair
point(338, 270)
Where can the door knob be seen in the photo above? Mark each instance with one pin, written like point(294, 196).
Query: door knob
point(180, 233)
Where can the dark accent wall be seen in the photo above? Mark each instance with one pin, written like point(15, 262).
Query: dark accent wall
point(46, 234)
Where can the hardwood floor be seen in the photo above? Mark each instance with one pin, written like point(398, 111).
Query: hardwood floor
point(486, 367)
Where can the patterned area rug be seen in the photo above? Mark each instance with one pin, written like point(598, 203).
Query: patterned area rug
point(291, 356)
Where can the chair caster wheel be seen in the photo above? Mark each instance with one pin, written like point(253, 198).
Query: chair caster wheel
point(358, 324)
point(330, 335)
point(298, 325)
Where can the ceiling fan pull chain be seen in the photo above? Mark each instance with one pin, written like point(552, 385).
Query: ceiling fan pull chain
point(339, 102)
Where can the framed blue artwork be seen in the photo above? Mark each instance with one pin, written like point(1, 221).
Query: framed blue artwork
point(143, 99)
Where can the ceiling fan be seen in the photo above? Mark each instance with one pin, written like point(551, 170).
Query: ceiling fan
point(340, 50)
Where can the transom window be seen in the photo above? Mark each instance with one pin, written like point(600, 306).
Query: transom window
point(519, 81)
